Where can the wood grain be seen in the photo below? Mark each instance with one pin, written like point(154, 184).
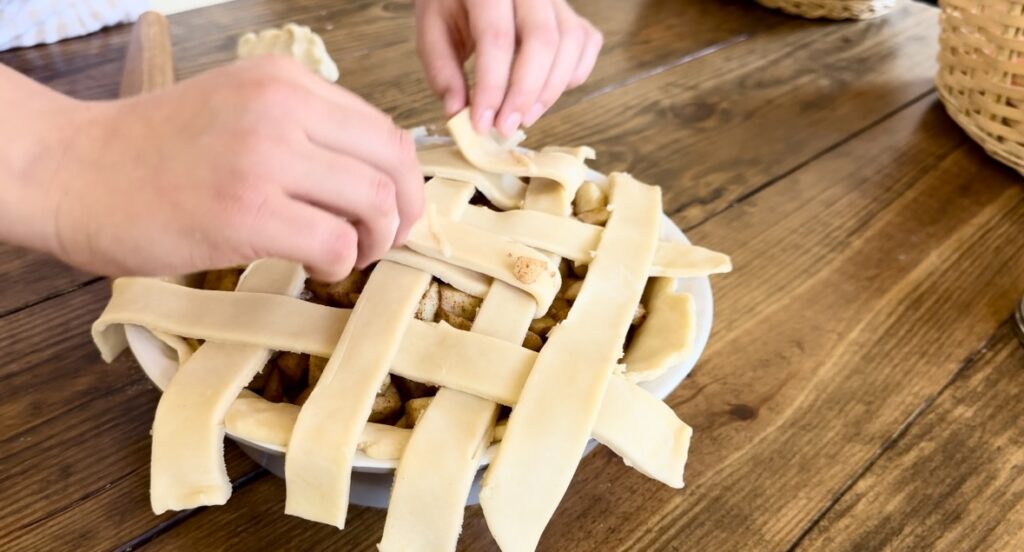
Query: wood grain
point(74, 432)
point(955, 480)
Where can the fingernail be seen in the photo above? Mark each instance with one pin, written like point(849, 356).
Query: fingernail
point(484, 120)
point(533, 114)
point(510, 124)
point(399, 234)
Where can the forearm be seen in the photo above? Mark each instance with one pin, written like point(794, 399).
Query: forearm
point(36, 126)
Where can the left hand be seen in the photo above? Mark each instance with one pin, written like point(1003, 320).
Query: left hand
point(557, 50)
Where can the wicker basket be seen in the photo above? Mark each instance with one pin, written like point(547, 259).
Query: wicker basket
point(981, 73)
point(832, 9)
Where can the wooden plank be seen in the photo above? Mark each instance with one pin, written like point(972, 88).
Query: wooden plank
point(371, 41)
point(264, 503)
point(953, 481)
point(720, 127)
point(74, 432)
point(30, 277)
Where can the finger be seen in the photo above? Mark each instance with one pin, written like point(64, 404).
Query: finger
point(591, 48)
point(491, 24)
point(572, 36)
point(324, 243)
point(371, 137)
point(354, 190)
point(440, 58)
point(539, 39)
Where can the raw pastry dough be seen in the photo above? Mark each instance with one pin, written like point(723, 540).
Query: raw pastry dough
point(441, 459)
point(537, 458)
point(296, 41)
point(576, 240)
point(319, 461)
point(667, 335)
point(484, 252)
point(187, 468)
point(504, 191)
point(488, 155)
point(438, 466)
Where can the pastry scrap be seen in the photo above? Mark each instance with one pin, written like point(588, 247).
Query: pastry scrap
point(667, 335)
point(296, 41)
point(501, 301)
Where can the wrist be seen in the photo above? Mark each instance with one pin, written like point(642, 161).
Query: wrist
point(40, 126)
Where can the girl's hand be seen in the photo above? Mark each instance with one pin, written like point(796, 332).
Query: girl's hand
point(514, 86)
point(257, 159)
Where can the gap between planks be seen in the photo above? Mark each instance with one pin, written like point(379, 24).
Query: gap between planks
point(893, 439)
point(180, 517)
point(54, 295)
point(654, 71)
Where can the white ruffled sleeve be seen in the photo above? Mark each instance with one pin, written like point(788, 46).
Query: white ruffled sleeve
point(31, 22)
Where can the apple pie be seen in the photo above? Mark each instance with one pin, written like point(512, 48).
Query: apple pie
point(528, 303)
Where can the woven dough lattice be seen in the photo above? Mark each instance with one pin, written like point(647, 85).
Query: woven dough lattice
point(573, 389)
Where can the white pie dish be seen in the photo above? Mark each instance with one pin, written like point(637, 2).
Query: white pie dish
point(371, 477)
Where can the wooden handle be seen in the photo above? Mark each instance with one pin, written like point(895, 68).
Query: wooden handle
point(149, 63)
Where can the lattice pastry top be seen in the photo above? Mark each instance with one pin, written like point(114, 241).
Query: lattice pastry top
point(544, 259)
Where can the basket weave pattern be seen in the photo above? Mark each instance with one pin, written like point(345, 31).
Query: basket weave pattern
point(832, 9)
point(981, 73)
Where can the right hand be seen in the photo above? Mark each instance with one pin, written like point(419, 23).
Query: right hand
point(257, 159)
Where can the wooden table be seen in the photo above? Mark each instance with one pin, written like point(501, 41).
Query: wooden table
point(862, 388)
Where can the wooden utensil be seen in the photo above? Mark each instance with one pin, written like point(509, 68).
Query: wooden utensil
point(149, 62)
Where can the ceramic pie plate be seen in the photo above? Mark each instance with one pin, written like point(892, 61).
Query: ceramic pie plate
point(371, 477)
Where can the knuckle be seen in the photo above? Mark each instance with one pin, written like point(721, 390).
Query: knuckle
point(545, 36)
point(497, 37)
point(383, 197)
point(266, 93)
point(243, 201)
point(339, 250)
point(574, 36)
point(404, 147)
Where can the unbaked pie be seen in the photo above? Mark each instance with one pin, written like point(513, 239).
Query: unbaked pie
point(503, 320)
